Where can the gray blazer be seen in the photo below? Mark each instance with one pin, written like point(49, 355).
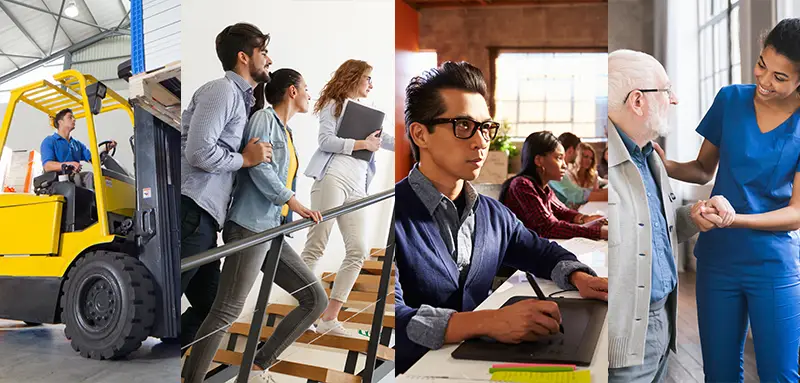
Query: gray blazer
point(630, 252)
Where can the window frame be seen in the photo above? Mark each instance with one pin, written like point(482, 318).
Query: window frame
point(494, 53)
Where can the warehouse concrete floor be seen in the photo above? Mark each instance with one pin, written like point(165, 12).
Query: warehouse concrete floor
point(43, 355)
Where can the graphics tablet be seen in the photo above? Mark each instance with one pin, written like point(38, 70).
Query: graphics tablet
point(582, 319)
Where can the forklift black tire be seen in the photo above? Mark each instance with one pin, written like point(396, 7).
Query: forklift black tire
point(108, 305)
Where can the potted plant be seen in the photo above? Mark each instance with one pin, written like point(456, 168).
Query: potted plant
point(500, 158)
point(503, 143)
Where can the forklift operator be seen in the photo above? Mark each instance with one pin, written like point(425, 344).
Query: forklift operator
point(60, 152)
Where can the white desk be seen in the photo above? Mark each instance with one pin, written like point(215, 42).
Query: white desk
point(440, 363)
point(591, 208)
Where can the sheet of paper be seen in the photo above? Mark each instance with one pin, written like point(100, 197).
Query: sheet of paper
point(580, 246)
point(583, 376)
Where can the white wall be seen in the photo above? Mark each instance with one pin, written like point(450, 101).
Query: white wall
point(314, 43)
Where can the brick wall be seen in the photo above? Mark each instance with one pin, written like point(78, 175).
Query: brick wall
point(468, 33)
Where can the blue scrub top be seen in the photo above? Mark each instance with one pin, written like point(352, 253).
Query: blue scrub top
point(56, 148)
point(756, 172)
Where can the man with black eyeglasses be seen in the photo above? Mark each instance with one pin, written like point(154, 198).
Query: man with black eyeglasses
point(451, 241)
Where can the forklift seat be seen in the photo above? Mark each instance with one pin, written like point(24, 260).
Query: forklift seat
point(80, 210)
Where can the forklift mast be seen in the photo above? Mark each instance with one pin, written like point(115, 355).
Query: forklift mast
point(157, 150)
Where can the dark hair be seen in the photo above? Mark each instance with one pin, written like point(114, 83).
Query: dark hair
point(423, 100)
point(569, 140)
point(60, 116)
point(537, 144)
point(603, 156)
point(274, 90)
point(785, 38)
point(241, 37)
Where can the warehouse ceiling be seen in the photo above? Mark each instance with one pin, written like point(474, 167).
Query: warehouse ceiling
point(34, 31)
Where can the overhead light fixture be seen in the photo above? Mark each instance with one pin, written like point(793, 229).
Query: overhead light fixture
point(71, 9)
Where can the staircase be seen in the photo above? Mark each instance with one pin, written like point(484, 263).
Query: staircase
point(363, 295)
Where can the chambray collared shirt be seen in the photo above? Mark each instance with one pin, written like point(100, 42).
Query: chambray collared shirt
point(458, 232)
point(429, 324)
point(211, 137)
point(664, 273)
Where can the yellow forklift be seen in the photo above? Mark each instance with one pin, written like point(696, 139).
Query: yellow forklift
point(104, 261)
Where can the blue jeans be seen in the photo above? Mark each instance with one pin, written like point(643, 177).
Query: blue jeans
point(656, 351)
point(726, 298)
point(198, 234)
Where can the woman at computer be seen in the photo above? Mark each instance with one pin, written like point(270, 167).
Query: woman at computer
point(529, 196)
point(749, 273)
point(263, 199)
point(341, 178)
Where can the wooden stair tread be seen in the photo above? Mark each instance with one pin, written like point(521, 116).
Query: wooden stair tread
point(352, 317)
point(333, 341)
point(364, 282)
point(374, 267)
point(320, 374)
point(365, 297)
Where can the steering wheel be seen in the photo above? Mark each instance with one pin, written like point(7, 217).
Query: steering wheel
point(113, 151)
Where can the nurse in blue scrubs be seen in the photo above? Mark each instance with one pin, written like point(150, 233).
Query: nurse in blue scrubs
point(750, 271)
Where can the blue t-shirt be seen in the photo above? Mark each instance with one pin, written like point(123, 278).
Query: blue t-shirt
point(56, 148)
point(756, 174)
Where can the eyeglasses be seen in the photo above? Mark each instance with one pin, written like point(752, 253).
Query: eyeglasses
point(464, 128)
point(668, 90)
point(369, 79)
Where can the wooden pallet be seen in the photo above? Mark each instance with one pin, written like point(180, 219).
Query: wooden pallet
point(147, 92)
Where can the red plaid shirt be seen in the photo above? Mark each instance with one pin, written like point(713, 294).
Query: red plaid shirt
point(541, 211)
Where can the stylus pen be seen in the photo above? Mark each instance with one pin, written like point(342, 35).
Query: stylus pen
point(540, 294)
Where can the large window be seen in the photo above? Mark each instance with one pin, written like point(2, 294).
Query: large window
point(559, 92)
point(720, 59)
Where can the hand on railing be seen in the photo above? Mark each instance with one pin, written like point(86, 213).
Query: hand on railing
point(303, 211)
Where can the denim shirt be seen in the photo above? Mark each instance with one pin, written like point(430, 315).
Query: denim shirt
point(664, 271)
point(261, 191)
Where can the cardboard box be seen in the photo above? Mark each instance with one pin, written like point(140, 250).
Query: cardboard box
point(22, 167)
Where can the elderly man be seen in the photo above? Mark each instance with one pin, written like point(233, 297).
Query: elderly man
point(643, 277)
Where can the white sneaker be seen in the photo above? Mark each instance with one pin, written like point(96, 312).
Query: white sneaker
point(334, 327)
point(260, 377)
point(312, 328)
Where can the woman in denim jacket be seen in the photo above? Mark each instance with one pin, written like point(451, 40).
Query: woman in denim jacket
point(263, 199)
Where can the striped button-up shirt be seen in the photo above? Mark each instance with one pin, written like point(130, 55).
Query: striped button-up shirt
point(211, 137)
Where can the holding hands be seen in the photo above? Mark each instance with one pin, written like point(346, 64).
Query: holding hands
point(714, 213)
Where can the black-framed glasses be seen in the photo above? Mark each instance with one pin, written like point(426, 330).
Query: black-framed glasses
point(668, 90)
point(464, 128)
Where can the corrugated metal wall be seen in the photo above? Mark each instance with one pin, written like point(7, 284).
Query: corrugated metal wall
point(102, 59)
point(162, 32)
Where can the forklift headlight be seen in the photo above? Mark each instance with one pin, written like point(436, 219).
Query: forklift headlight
point(96, 93)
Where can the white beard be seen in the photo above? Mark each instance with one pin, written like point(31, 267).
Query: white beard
point(657, 125)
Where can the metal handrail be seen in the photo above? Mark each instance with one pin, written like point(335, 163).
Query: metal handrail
point(212, 255)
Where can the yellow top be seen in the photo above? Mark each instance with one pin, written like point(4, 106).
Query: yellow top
point(292, 168)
